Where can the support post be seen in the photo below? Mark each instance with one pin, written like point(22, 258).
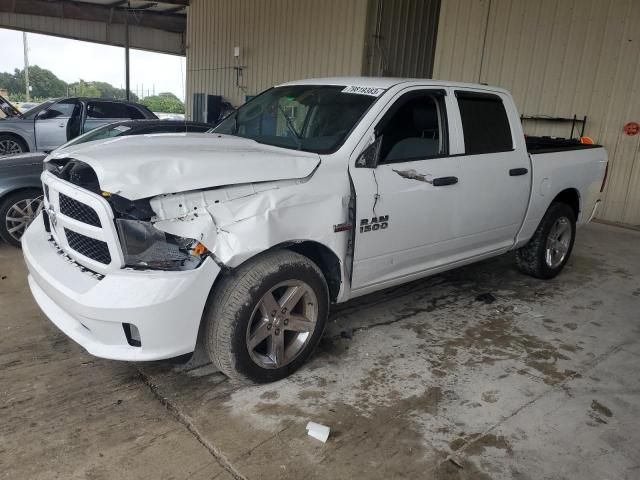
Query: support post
point(126, 54)
point(26, 66)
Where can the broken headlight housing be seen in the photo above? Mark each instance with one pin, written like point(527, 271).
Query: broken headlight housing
point(146, 247)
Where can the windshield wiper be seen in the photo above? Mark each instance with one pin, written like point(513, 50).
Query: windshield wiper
point(291, 128)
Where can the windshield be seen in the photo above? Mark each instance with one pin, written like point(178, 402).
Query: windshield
point(100, 133)
point(304, 117)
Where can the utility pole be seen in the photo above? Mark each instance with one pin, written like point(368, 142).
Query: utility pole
point(26, 66)
point(126, 50)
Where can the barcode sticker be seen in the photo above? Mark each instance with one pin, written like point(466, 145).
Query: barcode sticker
point(371, 91)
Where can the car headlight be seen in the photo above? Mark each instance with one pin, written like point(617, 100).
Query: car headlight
point(144, 246)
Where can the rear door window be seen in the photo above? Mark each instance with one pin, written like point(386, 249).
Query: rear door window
point(106, 110)
point(484, 122)
point(134, 114)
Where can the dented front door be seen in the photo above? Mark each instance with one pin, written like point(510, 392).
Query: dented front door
point(408, 228)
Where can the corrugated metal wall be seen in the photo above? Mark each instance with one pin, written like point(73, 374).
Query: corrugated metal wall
point(280, 40)
point(401, 38)
point(558, 58)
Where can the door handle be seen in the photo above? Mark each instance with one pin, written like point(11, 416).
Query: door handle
point(427, 178)
point(514, 172)
point(443, 181)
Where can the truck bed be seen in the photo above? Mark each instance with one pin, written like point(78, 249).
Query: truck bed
point(559, 166)
point(537, 145)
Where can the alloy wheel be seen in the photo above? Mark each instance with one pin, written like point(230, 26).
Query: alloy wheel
point(9, 147)
point(282, 324)
point(21, 214)
point(558, 242)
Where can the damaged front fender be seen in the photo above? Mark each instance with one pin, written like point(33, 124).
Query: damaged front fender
point(238, 222)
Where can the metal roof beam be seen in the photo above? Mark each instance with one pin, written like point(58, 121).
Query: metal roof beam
point(173, 9)
point(96, 13)
point(184, 3)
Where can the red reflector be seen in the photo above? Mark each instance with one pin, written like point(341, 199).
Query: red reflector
point(343, 227)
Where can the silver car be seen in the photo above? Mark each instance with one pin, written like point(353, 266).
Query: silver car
point(53, 123)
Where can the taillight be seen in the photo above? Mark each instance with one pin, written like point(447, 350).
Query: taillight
point(604, 180)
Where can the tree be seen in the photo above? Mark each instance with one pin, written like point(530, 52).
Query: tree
point(9, 82)
point(44, 84)
point(165, 102)
point(98, 90)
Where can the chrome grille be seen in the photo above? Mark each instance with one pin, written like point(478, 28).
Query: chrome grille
point(82, 225)
point(89, 247)
point(78, 211)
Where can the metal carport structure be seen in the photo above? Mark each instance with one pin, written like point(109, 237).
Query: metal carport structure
point(157, 26)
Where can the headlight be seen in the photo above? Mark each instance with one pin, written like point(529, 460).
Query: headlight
point(144, 246)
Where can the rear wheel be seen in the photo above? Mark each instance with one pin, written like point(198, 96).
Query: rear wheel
point(10, 145)
point(17, 211)
point(550, 247)
point(265, 318)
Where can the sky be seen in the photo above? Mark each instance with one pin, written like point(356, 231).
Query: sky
point(71, 60)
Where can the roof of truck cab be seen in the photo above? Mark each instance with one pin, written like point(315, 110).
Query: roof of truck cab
point(388, 82)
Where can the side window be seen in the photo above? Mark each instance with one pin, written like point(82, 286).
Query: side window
point(484, 123)
point(414, 128)
point(60, 109)
point(133, 113)
point(101, 110)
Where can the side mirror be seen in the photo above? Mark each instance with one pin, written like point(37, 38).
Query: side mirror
point(43, 115)
point(371, 155)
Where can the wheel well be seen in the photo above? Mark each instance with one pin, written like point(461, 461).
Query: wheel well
point(325, 259)
point(19, 138)
point(570, 197)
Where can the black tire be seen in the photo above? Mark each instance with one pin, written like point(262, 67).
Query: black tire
point(5, 205)
point(531, 259)
point(234, 303)
point(7, 139)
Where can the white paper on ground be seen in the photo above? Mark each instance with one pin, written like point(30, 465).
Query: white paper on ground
point(317, 431)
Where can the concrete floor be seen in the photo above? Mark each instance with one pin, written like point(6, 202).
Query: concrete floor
point(421, 381)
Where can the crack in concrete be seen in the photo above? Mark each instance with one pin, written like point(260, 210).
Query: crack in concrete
point(456, 456)
point(252, 449)
point(188, 423)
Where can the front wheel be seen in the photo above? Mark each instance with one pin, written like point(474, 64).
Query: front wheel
point(10, 145)
point(265, 318)
point(550, 247)
point(17, 211)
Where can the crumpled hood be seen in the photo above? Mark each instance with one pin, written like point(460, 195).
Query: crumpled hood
point(148, 165)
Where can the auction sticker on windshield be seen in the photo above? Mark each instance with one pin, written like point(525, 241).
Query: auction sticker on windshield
point(372, 91)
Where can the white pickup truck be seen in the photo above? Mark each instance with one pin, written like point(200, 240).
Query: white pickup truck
point(312, 193)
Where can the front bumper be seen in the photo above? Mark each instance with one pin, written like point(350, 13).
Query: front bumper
point(166, 307)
